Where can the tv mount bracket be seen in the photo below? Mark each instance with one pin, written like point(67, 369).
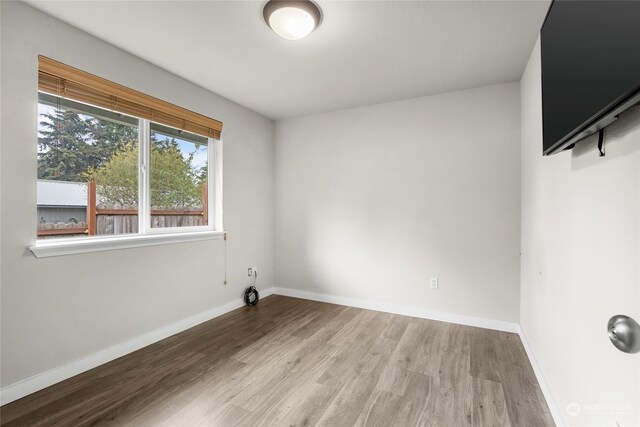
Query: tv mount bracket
point(601, 142)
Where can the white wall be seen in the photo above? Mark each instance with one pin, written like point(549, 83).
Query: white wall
point(581, 262)
point(372, 201)
point(56, 310)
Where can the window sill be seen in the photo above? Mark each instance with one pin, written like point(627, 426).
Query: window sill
point(52, 248)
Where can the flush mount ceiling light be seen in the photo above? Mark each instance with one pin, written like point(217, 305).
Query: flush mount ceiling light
point(291, 19)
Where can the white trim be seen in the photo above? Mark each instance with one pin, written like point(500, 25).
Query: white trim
point(45, 379)
point(145, 224)
point(479, 322)
point(144, 162)
point(552, 403)
point(211, 172)
point(54, 247)
point(444, 317)
point(216, 194)
point(176, 230)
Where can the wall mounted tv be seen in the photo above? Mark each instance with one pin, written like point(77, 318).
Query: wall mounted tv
point(590, 68)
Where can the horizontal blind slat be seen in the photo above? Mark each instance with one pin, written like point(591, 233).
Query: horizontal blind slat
point(65, 81)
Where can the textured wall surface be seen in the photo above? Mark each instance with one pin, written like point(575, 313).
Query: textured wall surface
point(371, 202)
point(581, 262)
point(57, 310)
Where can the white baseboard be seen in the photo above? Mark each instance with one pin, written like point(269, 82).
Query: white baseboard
point(45, 379)
point(544, 386)
point(479, 322)
point(444, 317)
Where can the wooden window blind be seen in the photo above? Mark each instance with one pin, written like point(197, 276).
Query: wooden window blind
point(62, 80)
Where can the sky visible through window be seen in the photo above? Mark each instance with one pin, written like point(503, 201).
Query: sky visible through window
point(79, 144)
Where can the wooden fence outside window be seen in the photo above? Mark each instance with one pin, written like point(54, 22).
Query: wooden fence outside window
point(104, 220)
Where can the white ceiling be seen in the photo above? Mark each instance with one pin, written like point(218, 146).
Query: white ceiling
point(364, 52)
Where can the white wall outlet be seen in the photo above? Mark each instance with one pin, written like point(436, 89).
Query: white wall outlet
point(251, 271)
point(433, 283)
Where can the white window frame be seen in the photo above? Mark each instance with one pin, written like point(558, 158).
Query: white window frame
point(148, 236)
point(144, 211)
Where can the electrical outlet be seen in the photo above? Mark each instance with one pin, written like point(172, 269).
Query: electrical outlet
point(433, 283)
point(251, 271)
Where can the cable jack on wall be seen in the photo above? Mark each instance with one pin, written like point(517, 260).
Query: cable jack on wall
point(251, 295)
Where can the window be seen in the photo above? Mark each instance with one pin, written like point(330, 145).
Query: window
point(110, 177)
point(179, 178)
point(87, 163)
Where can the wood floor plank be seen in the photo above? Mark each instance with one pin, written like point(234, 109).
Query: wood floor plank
point(356, 345)
point(190, 397)
point(329, 313)
point(484, 358)
point(290, 361)
point(310, 408)
point(349, 401)
point(431, 348)
point(395, 329)
point(453, 405)
point(415, 408)
point(305, 364)
point(521, 388)
point(457, 338)
point(489, 404)
point(281, 402)
point(397, 371)
point(380, 409)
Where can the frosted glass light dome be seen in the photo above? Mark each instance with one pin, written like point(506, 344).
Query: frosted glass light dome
point(291, 20)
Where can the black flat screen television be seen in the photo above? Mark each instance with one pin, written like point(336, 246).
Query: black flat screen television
point(590, 68)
